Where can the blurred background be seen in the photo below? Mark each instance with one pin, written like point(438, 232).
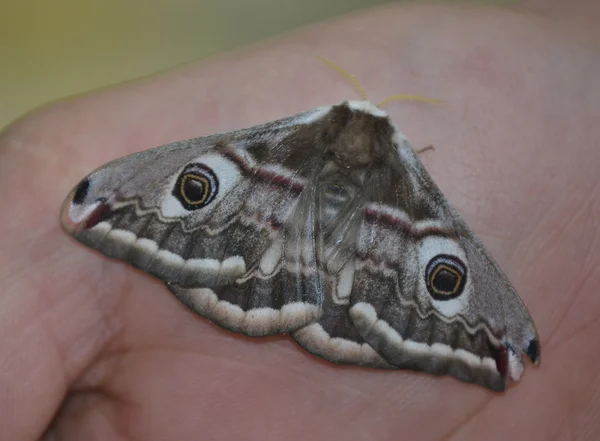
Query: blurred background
point(52, 49)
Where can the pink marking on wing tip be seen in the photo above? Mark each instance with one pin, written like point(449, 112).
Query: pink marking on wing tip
point(95, 216)
point(502, 361)
point(92, 219)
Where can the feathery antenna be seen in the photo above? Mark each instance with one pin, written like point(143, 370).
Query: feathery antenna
point(363, 94)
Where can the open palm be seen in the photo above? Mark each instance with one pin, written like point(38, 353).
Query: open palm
point(93, 349)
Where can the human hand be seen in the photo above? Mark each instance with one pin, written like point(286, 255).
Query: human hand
point(94, 349)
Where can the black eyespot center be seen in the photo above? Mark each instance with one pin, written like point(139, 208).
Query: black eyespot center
point(196, 186)
point(446, 277)
point(195, 189)
point(81, 192)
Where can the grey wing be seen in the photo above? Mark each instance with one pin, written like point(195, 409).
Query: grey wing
point(373, 311)
point(427, 296)
point(408, 285)
point(226, 221)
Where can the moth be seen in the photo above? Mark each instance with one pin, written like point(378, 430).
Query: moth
point(324, 225)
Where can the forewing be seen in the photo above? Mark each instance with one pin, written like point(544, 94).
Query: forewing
point(426, 295)
point(226, 221)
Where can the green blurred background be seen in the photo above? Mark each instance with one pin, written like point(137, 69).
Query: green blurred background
point(52, 49)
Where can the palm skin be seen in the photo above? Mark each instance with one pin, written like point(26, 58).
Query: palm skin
point(93, 349)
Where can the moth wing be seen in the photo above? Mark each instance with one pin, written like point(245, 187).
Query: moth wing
point(226, 221)
point(426, 295)
point(340, 206)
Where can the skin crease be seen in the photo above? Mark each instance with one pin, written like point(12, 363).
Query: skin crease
point(93, 349)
